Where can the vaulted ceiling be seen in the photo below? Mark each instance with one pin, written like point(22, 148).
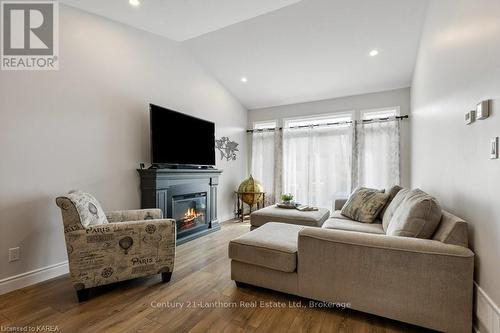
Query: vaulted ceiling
point(180, 20)
point(289, 51)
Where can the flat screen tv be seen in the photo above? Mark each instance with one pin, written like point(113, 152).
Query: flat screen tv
point(178, 139)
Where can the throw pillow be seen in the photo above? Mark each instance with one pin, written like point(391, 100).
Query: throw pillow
point(364, 204)
point(391, 208)
point(417, 216)
point(88, 208)
point(392, 193)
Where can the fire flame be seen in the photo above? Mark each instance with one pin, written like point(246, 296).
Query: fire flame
point(191, 214)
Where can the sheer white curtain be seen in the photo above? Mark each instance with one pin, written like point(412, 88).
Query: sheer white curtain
point(377, 154)
point(317, 163)
point(266, 162)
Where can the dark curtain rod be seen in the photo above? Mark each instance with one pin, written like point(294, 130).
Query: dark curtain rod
point(330, 124)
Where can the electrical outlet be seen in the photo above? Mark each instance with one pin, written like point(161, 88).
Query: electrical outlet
point(14, 254)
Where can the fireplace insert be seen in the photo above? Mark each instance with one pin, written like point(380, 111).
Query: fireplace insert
point(190, 212)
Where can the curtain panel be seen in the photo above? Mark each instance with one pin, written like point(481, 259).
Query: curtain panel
point(376, 154)
point(267, 162)
point(318, 164)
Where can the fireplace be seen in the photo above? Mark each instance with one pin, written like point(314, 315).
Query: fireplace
point(187, 195)
point(190, 212)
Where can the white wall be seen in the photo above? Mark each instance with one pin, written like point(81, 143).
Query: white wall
point(458, 66)
point(86, 126)
point(398, 97)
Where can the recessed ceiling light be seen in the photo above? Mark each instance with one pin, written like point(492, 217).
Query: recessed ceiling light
point(134, 3)
point(373, 53)
point(244, 79)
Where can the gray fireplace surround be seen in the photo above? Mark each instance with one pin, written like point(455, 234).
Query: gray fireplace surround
point(173, 190)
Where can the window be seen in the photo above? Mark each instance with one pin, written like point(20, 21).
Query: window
point(264, 125)
point(377, 149)
point(323, 157)
point(379, 113)
point(317, 159)
point(345, 117)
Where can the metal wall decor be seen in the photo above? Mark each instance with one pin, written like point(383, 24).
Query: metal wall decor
point(227, 148)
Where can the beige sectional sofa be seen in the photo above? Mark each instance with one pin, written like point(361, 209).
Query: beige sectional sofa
point(426, 282)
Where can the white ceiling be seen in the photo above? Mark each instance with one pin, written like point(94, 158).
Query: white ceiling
point(290, 51)
point(180, 19)
point(315, 49)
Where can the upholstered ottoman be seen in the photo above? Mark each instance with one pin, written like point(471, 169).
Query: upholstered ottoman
point(266, 257)
point(290, 216)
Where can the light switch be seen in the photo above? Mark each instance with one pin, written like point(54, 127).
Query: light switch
point(494, 148)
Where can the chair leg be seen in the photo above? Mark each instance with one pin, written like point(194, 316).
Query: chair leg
point(83, 295)
point(165, 277)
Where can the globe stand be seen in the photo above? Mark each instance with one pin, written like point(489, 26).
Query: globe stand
point(259, 201)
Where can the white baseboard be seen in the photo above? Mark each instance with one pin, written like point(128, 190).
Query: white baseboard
point(487, 313)
point(32, 277)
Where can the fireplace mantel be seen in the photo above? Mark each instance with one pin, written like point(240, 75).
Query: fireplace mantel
point(160, 186)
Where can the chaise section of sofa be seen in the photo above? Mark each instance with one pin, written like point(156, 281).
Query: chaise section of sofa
point(267, 257)
point(419, 281)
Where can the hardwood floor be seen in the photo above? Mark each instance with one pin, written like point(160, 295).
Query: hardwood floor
point(201, 275)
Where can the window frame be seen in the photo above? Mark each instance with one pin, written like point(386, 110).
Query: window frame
point(381, 111)
point(261, 125)
point(330, 117)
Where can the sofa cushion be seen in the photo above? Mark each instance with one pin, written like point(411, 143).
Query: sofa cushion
point(338, 215)
point(452, 230)
point(291, 216)
point(365, 204)
point(393, 191)
point(88, 208)
point(417, 216)
point(273, 245)
point(340, 222)
point(391, 208)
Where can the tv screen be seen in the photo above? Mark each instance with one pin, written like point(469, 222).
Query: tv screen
point(179, 139)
